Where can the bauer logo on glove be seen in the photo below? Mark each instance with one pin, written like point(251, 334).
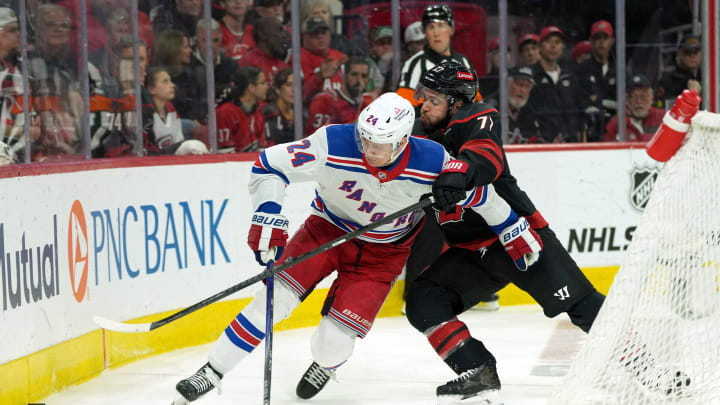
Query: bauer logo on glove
point(522, 243)
point(268, 236)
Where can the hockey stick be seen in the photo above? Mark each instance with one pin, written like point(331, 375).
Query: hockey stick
point(267, 378)
point(145, 327)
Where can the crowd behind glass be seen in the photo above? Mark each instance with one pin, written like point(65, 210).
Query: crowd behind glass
point(561, 85)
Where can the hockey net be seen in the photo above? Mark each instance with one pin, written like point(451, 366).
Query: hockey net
point(656, 339)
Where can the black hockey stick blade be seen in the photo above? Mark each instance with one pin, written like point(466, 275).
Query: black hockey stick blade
point(116, 326)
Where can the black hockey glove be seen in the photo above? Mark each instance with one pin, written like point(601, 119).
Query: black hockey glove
point(449, 187)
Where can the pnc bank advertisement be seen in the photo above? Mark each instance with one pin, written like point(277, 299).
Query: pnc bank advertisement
point(134, 241)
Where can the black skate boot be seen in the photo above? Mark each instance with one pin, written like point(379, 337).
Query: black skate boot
point(198, 384)
point(313, 381)
point(478, 386)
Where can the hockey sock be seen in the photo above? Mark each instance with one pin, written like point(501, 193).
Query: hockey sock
point(247, 330)
point(237, 341)
point(453, 343)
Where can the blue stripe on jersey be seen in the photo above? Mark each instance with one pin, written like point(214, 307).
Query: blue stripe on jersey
point(509, 221)
point(414, 179)
point(426, 155)
point(259, 170)
point(357, 169)
point(265, 163)
point(341, 141)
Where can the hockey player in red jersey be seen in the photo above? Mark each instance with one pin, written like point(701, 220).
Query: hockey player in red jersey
point(343, 105)
point(476, 264)
point(364, 171)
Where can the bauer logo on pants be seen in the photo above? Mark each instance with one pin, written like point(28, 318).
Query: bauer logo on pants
point(642, 181)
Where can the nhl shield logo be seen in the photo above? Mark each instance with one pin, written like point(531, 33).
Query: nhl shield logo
point(642, 182)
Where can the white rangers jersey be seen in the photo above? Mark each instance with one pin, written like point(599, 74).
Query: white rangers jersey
point(350, 193)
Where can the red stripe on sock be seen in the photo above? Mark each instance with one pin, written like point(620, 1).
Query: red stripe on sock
point(243, 334)
point(448, 336)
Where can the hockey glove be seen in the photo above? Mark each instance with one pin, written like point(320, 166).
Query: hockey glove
point(268, 236)
point(522, 243)
point(449, 187)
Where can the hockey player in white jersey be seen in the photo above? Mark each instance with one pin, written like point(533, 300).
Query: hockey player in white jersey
point(364, 171)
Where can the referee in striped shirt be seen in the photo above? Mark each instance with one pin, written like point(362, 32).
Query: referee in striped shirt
point(439, 25)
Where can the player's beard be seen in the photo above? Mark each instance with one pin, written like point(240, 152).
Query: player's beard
point(431, 127)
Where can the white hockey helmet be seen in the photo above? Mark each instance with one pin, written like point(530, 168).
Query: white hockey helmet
point(387, 120)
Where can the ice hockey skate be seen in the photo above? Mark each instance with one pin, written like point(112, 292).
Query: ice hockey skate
point(313, 381)
point(480, 386)
point(198, 384)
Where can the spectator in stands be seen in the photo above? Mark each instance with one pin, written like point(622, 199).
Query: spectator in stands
point(439, 25)
point(112, 101)
point(529, 49)
point(279, 114)
point(339, 42)
point(598, 80)
point(173, 52)
point(556, 98)
point(266, 8)
point(11, 85)
point(237, 38)
point(343, 105)
point(97, 13)
point(489, 83)
point(320, 63)
point(54, 85)
point(523, 127)
point(642, 119)
point(224, 68)
point(581, 52)
point(118, 26)
point(271, 51)
point(414, 39)
point(380, 59)
point(162, 133)
point(182, 15)
point(240, 122)
point(686, 74)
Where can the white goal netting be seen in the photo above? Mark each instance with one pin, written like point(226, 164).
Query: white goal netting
point(657, 337)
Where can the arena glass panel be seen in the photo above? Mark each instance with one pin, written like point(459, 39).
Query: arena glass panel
point(56, 101)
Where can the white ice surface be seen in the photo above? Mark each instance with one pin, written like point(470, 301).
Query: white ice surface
point(394, 365)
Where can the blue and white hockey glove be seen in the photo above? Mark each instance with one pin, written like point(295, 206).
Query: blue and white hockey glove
point(522, 243)
point(268, 233)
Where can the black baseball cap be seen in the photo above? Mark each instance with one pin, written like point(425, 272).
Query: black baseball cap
point(638, 80)
point(314, 24)
point(521, 72)
point(690, 42)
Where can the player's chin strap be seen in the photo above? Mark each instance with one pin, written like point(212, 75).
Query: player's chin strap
point(145, 327)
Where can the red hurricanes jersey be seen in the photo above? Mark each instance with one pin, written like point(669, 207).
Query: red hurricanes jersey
point(333, 107)
point(238, 131)
point(271, 66)
point(235, 48)
point(311, 72)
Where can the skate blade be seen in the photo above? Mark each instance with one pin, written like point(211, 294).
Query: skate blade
point(489, 306)
point(180, 400)
point(489, 397)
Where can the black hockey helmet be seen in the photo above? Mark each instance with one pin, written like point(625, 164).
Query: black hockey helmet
point(451, 78)
point(437, 12)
